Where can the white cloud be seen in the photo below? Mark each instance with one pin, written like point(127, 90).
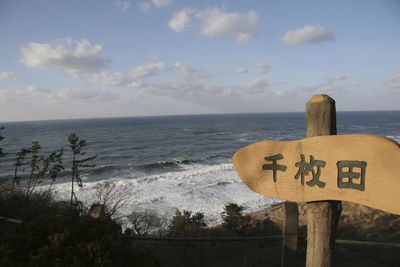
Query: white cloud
point(25, 95)
point(122, 5)
point(184, 69)
point(215, 22)
point(128, 78)
point(63, 55)
point(161, 3)
point(330, 84)
point(7, 75)
point(84, 95)
point(307, 34)
point(241, 69)
point(194, 84)
point(83, 61)
point(32, 94)
point(180, 20)
point(147, 5)
point(33, 89)
point(395, 81)
point(261, 68)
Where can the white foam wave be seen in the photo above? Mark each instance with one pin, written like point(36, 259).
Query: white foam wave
point(199, 188)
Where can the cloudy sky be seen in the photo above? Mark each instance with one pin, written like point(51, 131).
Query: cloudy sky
point(106, 58)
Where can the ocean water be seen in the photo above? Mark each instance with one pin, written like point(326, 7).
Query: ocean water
point(175, 162)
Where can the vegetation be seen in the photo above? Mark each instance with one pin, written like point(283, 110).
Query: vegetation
point(78, 162)
point(184, 223)
point(146, 222)
point(234, 220)
point(54, 233)
point(47, 232)
point(112, 196)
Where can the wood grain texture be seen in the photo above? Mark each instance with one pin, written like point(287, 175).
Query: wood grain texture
point(322, 216)
point(382, 177)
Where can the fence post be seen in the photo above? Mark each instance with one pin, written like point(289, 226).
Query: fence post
point(289, 233)
point(322, 216)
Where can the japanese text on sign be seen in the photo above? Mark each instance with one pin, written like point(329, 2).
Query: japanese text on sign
point(351, 173)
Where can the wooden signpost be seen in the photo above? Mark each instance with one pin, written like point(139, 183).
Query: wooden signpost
point(363, 169)
point(322, 168)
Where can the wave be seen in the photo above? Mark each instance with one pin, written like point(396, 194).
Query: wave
point(196, 187)
point(162, 165)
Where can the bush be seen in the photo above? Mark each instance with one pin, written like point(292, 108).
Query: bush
point(185, 224)
point(57, 234)
point(145, 222)
point(234, 220)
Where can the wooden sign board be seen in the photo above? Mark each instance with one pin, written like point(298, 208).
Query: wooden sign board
point(363, 169)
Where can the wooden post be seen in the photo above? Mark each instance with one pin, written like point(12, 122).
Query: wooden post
point(322, 216)
point(289, 231)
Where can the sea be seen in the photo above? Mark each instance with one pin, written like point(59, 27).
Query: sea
point(167, 163)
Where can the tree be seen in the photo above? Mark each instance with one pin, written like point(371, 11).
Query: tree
point(40, 166)
point(112, 196)
point(234, 219)
point(186, 223)
point(56, 165)
point(145, 222)
point(78, 162)
point(35, 170)
point(19, 162)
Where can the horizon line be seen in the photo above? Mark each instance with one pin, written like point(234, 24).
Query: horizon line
point(183, 115)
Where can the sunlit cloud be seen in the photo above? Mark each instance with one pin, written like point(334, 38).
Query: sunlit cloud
point(71, 57)
point(214, 22)
point(307, 35)
point(149, 4)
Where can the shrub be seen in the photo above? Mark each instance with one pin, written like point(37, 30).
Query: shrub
point(184, 223)
point(145, 222)
point(55, 233)
point(234, 220)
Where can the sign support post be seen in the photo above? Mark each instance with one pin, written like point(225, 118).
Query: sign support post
point(290, 228)
point(322, 216)
point(322, 170)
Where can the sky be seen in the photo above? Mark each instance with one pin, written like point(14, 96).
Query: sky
point(117, 58)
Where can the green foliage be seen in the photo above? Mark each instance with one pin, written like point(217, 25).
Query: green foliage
point(234, 220)
point(184, 223)
point(55, 164)
point(19, 162)
point(40, 166)
point(35, 170)
point(78, 162)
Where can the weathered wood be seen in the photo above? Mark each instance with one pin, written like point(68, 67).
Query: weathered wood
point(322, 217)
point(321, 116)
point(354, 168)
point(97, 211)
point(381, 154)
point(290, 234)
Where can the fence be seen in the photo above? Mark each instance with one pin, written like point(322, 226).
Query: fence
point(262, 251)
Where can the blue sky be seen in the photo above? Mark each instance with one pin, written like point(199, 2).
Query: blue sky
point(105, 58)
